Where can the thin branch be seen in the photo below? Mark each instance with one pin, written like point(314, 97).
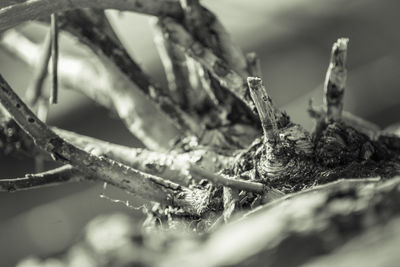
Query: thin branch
point(335, 81)
point(174, 62)
point(11, 16)
point(54, 58)
point(62, 175)
point(366, 127)
point(240, 184)
point(187, 79)
point(199, 27)
point(106, 86)
point(144, 185)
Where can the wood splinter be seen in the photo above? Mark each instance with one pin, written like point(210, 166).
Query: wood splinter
point(335, 80)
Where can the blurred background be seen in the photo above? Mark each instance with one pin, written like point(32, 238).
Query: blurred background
point(293, 39)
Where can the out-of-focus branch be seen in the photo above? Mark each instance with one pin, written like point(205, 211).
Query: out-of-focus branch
point(95, 80)
point(228, 182)
point(113, 53)
point(215, 65)
point(14, 14)
point(54, 58)
point(5, 3)
point(207, 29)
point(34, 91)
point(309, 221)
point(174, 62)
point(62, 175)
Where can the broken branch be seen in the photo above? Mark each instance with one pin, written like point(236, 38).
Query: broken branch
point(265, 108)
point(335, 81)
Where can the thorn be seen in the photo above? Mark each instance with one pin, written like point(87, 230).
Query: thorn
point(335, 80)
point(266, 110)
